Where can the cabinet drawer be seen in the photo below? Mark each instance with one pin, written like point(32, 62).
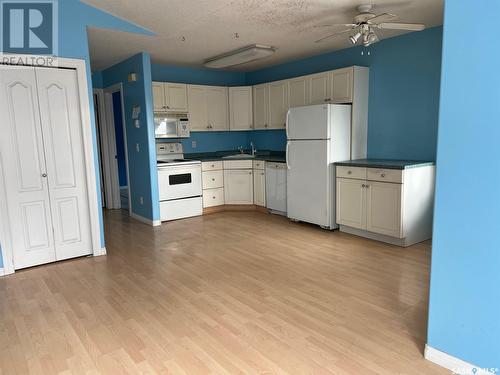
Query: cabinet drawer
point(259, 164)
point(211, 165)
point(385, 175)
point(213, 179)
point(351, 172)
point(238, 164)
point(213, 197)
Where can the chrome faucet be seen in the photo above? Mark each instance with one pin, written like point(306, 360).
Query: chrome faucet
point(254, 150)
point(241, 149)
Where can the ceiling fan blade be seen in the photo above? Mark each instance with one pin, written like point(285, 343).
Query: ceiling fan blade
point(382, 18)
point(334, 35)
point(337, 25)
point(401, 26)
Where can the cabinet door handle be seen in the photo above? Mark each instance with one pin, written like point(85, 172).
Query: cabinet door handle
point(213, 179)
point(349, 172)
point(44, 175)
point(367, 186)
point(382, 175)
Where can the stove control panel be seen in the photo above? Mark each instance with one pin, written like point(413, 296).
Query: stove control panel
point(169, 148)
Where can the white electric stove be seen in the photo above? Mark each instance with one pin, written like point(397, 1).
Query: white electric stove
point(179, 183)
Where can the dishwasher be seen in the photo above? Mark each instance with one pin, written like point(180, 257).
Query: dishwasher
point(276, 187)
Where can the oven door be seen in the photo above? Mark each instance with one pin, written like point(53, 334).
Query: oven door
point(166, 127)
point(177, 182)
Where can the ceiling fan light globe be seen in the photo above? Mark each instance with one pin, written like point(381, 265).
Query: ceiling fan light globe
point(354, 38)
point(369, 39)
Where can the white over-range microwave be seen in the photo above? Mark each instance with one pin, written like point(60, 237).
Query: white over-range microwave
point(171, 125)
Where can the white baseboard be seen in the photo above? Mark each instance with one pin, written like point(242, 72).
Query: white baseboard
point(100, 252)
point(2, 272)
point(454, 364)
point(143, 220)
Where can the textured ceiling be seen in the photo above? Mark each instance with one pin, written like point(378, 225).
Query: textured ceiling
point(190, 31)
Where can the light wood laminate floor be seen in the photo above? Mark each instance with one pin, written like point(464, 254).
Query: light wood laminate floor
point(227, 293)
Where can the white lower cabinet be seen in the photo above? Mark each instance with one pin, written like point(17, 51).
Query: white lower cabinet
point(389, 205)
point(238, 186)
point(383, 208)
point(213, 197)
point(213, 184)
point(351, 203)
point(259, 183)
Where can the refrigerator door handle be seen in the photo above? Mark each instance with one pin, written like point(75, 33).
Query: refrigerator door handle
point(287, 163)
point(287, 117)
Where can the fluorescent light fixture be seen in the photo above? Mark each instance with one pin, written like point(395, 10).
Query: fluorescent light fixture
point(240, 56)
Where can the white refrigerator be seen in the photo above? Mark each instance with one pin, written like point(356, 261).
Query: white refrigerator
point(317, 136)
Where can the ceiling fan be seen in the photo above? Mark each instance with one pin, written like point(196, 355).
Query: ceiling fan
point(366, 22)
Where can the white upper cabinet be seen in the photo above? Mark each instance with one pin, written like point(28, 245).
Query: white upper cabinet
point(197, 108)
point(158, 97)
point(240, 108)
point(169, 97)
point(260, 106)
point(208, 108)
point(217, 110)
point(319, 88)
point(342, 82)
point(278, 104)
point(298, 92)
point(176, 97)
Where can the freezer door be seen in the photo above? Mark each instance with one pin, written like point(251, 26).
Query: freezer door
point(309, 182)
point(311, 122)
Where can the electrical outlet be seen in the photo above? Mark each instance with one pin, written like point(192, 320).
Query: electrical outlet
point(137, 147)
point(141, 200)
point(193, 144)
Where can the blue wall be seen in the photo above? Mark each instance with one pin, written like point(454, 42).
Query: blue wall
point(404, 90)
point(120, 140)
point(73, 19)
point(142, 165)
point(171, 73)
point(464, 315)
point(274, 140)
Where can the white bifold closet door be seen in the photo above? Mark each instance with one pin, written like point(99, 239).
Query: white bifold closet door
point(42, 157)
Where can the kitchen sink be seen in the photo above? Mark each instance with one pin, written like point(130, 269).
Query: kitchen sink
point(239, 156)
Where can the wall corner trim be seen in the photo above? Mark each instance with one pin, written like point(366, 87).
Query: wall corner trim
point(454, 364)
point(100, 252)
point(154, 223)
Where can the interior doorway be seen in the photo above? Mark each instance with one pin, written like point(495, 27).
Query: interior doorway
point(111, 128)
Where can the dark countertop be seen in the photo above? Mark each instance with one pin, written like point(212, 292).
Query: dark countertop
point(271, 156)
point(385, 163)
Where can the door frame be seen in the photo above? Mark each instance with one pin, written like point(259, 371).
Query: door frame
point(110, 165)
point(90, 164)
point(98, 97)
